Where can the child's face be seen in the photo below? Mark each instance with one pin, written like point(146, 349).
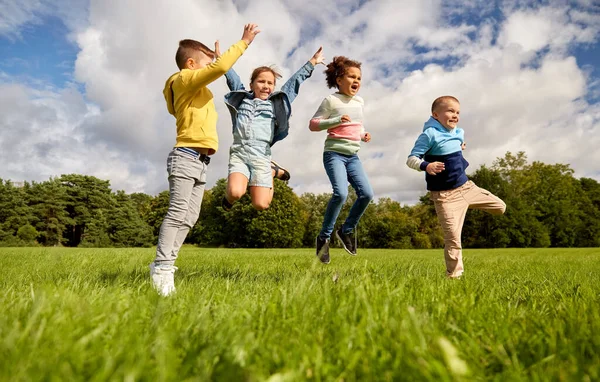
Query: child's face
point(198, 61)
point(263, 85)
point(349, 83)
point(448, 114)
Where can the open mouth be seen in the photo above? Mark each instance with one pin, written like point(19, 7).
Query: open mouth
point(354, 87)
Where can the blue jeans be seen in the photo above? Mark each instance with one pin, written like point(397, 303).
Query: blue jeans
point(342, 169)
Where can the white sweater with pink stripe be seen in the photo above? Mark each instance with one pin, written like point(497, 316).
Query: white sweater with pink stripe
point(343, 138)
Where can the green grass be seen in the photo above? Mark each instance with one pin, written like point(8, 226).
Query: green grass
point(91, 314)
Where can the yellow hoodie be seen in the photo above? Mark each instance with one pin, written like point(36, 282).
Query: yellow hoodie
point(190, 101)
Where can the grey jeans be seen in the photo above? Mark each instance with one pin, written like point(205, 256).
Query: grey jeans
point(187, 180)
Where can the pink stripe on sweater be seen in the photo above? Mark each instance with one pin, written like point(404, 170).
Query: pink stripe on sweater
point(349, 130)
point(314, 124)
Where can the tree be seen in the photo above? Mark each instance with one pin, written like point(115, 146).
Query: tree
point(87, 196)
point(48, 202)
point(243, 226)
point(27, 234)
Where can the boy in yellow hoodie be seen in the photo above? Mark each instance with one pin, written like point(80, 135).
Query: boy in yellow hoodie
point(191, 102)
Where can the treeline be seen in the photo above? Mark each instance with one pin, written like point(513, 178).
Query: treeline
point(546, 206)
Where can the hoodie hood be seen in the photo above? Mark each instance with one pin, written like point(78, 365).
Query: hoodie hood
point(432, 122)
point(168, 93)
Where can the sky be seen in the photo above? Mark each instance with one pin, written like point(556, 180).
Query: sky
point(81, 82)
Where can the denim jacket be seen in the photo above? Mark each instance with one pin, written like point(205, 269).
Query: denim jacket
point(282, 99)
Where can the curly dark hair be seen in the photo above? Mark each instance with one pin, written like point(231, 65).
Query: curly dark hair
point(337, 68)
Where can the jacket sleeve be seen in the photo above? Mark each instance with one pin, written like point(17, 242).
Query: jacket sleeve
point(202, 77)
point(292, 86)
point(415, 159)
point(233, 80)
point(321, 121)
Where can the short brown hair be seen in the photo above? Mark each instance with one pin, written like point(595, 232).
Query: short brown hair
point(337, 68)
point(186, 50)
point(262, 69)
point(440, 100)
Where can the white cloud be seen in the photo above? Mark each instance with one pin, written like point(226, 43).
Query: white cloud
point(519, 87)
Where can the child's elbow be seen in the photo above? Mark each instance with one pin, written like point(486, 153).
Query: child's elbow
point(314, 124)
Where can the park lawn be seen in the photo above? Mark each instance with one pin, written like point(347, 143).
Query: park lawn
point(278, 314)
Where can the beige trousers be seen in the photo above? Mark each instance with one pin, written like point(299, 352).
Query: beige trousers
point(451, 207)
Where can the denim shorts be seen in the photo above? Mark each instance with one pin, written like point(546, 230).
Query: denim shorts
point(254, 162)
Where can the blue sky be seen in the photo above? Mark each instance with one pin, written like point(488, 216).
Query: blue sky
point(41, 53)
point(88, 78)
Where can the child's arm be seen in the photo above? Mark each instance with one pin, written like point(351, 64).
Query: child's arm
point(233, 80)
point(202, 77)
point(292, 86)
point(321, 121)
point(415, 159)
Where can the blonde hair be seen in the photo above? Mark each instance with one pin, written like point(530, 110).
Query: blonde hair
point(441, 100)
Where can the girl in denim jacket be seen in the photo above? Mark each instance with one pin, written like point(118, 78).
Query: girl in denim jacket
point(260, 118)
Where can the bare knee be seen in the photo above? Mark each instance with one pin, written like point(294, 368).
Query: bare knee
point(235, 194)
point(261, 205)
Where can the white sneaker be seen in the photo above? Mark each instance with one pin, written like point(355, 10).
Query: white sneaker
point(163, 278)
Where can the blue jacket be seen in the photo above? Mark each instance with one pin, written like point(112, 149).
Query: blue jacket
point(438, 144)
point(282, 99)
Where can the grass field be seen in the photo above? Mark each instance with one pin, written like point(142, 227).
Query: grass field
point(278, 315)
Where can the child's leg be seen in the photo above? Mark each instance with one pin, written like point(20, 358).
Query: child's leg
point(261, 180)
point(479, 198)
point(335, 166)
point(187, 178)
point(237, 183)
point(451, 209)
point(239, 173)
point(359, 181)
point(261, 197)
point(192, 216)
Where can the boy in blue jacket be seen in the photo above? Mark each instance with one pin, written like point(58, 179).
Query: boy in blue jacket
point(438, 152)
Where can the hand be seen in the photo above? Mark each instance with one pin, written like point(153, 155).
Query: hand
point(464, 145)
point(217, 50)
point(367, 137)
point(318, 58)
point(345, 118)
point(435, 168)
point(250, 31)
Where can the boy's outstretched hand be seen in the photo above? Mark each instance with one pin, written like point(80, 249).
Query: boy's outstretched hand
point(250, 31)
point(367, 137)
point(318, 58)
point(217, 50)
point(435, 168)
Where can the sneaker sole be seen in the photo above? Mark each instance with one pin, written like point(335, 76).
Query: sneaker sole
point(344, 245)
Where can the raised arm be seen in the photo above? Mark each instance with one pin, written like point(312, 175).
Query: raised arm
point(203, 77)
point(292, 86)
point(233, 80)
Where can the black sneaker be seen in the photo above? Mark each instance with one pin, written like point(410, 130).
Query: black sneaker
point(348, 241)
point(225, 204)
point(323, 250)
